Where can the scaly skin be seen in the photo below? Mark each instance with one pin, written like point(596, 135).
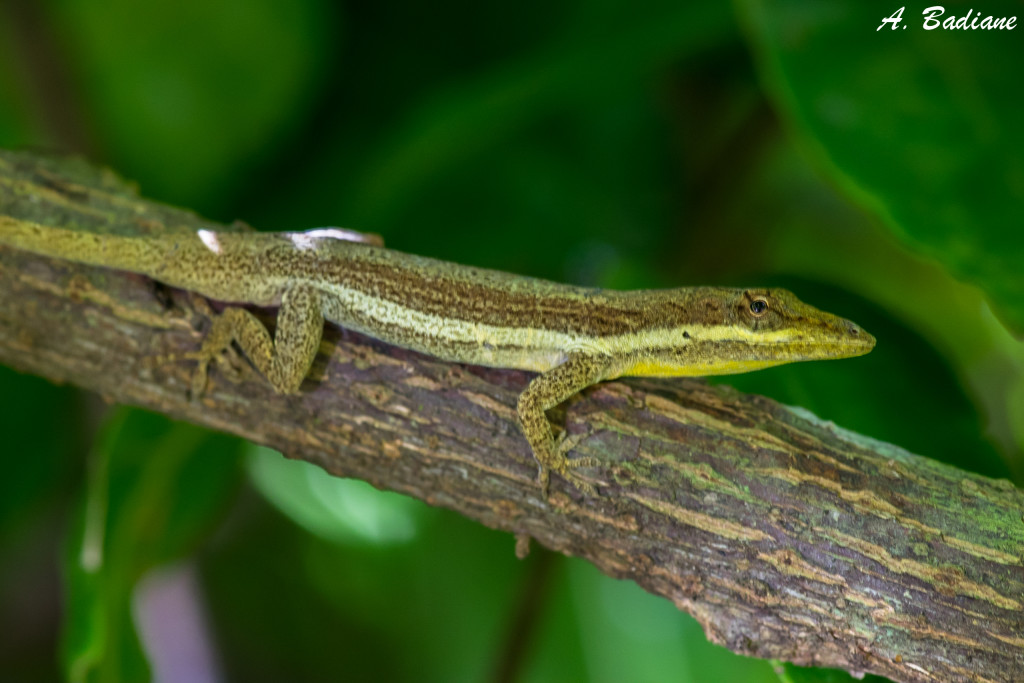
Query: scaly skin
point(573, 336)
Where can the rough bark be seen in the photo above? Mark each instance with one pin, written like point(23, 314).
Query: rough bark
point(786, 537)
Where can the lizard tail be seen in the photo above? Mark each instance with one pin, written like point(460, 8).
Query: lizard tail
point(80, 246)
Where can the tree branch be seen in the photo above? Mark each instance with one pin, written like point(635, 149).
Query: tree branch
point(786, 537)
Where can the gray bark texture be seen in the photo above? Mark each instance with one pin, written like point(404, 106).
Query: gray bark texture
point(786, 537)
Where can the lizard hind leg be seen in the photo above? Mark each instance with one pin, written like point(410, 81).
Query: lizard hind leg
point(284, 360)
point(229, 361)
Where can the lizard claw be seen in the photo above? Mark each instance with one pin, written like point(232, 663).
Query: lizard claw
point(216, 346)
point(561, 464)
point(544, 479)
point(229, 363)
point(199, 375)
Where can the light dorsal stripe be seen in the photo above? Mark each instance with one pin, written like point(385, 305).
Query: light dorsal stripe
point(521, 346)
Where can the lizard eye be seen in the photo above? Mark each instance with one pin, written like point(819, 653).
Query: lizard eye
point(758, 306)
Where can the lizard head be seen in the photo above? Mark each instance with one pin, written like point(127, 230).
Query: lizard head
point(773, 324)
point(727, 331)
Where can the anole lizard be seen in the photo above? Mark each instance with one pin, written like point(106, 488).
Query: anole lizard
point(573, 336)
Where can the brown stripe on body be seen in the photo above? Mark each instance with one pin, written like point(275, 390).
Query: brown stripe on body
point(477, 295)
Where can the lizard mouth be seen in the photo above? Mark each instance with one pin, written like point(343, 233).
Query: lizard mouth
point(843, 339)
point(844, 347)
point(848, 341)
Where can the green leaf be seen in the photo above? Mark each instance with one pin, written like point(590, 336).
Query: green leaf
point(922, 127)
point(790, 673)
point(289, 605)
point(335, 509)
point(154, 487)
point(207, 86)
point(629, 634)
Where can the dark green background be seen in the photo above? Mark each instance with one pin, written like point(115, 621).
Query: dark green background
point(879, 174)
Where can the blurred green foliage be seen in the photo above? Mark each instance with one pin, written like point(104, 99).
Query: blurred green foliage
point(921, 127)
point(152, 488)
point(643, 144)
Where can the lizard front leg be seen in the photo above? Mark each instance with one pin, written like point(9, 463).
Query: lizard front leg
point(546, 391)
point(285, 360)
